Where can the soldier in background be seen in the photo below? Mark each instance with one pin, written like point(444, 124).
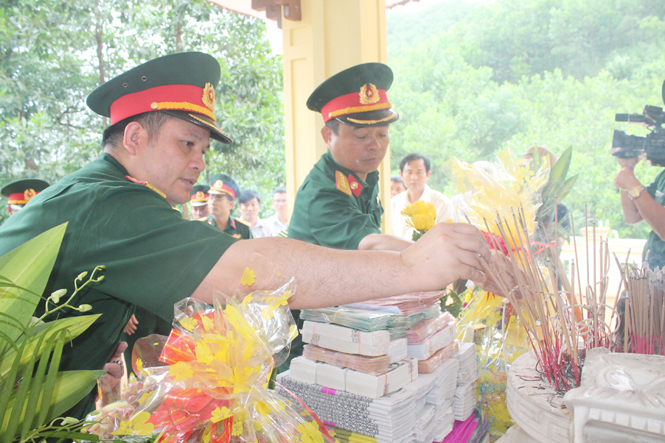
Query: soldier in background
point(20, 192)
point(198, 200)
point(222, 195)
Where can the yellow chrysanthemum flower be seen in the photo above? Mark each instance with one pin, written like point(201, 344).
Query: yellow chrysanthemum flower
point(422, 215)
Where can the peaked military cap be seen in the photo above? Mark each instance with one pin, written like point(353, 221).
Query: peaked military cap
point(199, 195)
point(181, 85)
point(223, 184)
point(357, 96)
point(19, 192)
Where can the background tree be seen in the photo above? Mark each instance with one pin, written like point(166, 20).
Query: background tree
point(517, 73)
point(54, 53)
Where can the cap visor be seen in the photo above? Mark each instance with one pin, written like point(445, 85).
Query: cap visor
point(204, 122)
point(382, 117)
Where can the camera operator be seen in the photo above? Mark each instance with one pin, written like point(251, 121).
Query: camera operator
point(644, 203)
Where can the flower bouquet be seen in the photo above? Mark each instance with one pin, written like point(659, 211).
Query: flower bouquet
point(214, 386)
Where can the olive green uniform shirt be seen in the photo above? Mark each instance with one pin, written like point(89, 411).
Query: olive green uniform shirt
point(654, 245)
point(234, 227)
point(335, 208)
point(153, 257)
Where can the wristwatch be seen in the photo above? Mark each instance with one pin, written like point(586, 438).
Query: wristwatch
point(635, 192)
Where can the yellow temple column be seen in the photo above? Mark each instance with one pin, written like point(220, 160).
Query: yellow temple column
point(333, 35)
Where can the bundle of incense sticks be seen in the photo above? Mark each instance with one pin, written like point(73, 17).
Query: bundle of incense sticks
point(644, 312)
point(559, 324)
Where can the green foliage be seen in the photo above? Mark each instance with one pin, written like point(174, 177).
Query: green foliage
point(53, 53)
point(452, 303)
point(514, 74)
point(32, 391)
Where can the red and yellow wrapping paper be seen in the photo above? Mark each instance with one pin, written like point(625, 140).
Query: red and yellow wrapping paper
point(214, 389)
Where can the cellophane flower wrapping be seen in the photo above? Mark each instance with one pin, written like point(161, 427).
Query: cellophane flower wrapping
point(500, 338)
point(501, 189)
point(214, 386)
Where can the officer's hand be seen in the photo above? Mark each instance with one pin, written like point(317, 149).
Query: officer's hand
point(625, 179)
point(130, 328)
point(109, 384)
point(502, 277)
point(448, 252)
point(629, 162)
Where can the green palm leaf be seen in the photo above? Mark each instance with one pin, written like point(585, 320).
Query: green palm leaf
point(74, 325)
point(69, 388)
point(28, 267)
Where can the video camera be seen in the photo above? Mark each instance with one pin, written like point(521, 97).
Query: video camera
point(652, 145)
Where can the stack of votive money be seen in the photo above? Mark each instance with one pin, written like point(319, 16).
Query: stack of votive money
point(465, 393)
point(379, 371)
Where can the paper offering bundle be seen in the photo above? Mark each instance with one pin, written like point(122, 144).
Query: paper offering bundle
point(413, 303)
point(343, 360)
point(214, 386)
point(428, 366)
point(429, 346)
point(342, 339)
point(378, 384)
point(428, 328)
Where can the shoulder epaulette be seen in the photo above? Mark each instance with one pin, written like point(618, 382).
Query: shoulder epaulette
point(243, 222)
point(342, 183)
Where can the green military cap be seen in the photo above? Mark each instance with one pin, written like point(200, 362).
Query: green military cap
point(223, 184)
point(181, 85)
point(199, 195)
point(357, 96)
point(19, 192)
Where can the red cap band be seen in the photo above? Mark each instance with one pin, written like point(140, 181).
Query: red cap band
point(165, 98)
point(356, 102)
point(21, 198)
point(200, 196)
point(222, 187)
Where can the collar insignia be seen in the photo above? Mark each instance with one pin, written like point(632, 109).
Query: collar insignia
point(146, 184)
point(341, 183)
point(209, 96)
point(355, 185)
point(369, 94)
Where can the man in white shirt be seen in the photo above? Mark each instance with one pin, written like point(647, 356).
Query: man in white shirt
point(415, 171)
point(279, 222)
point(249, 204)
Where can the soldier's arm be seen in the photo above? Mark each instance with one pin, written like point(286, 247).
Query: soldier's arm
point(329, 277)
point(383, 242)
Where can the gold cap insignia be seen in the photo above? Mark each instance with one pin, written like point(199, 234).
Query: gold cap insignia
point(218, 184)
point(369, 94)
point(200, 194)
point(28, 194)
point(341, 183)
point(209, 96)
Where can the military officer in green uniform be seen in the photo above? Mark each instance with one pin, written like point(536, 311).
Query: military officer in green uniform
point(198, 200)
point(338, 204)
point(119, 214)
point(20, 192)
point(223, 192)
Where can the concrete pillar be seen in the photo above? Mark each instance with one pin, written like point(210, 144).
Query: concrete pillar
point(333, 35)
